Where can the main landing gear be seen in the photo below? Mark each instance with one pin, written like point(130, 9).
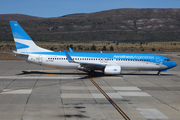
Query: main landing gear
point(92, 72)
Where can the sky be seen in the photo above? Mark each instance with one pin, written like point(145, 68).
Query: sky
point(57, 8)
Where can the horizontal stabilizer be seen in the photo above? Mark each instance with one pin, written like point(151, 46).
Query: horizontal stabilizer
point(17, 53)
point(9, 52)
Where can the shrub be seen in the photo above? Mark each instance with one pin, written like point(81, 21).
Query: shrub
point(111, 48)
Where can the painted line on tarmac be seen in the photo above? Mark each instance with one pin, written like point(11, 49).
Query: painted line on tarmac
point(17, 77)
point(109, 99)
point(19, 61)
point(10, 90)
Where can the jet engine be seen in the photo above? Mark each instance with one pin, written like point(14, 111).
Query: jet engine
point(112, 70)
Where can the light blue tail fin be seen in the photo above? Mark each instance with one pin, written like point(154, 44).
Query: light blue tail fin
point(22, 41)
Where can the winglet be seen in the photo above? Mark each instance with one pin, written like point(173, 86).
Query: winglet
point(68, 56)
point(70, 49)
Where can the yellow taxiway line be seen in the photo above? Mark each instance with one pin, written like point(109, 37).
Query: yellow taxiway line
point(109, 99)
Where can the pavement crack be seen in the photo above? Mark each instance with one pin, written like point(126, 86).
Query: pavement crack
point(29, 98)
point(159, 99)
point(62, 99)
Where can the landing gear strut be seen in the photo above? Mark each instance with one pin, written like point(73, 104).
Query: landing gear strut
point(159, 73)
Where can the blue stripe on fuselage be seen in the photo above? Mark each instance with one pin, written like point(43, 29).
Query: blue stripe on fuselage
point(105, 55)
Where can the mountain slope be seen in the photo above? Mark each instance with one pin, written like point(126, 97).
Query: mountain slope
point(119, 25)
point(17, 17)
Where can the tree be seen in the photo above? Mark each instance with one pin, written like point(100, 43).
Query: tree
point(52, 48)
point(111, 48)
point(71, 46)
point(80, 47)
point(93, 47)
point(104, 48)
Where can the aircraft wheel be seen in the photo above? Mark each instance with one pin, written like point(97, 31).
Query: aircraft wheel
point(92, 73)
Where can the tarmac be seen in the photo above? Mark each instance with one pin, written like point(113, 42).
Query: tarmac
point(32, 92)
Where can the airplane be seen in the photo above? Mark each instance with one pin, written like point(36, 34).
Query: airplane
point(108, 63)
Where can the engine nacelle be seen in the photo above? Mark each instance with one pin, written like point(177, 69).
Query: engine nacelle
point(112, 70)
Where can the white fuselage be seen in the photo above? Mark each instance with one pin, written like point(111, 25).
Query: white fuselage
point(62, 62)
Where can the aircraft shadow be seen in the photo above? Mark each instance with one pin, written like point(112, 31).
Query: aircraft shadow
point(149, 74)
point(54, 73)
point(89, 75)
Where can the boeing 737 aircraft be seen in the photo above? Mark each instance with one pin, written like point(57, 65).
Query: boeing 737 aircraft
point(108, 63)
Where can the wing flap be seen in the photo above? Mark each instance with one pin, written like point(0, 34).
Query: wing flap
point(92, 65)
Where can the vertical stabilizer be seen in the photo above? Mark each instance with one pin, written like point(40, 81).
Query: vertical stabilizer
point(22, 41)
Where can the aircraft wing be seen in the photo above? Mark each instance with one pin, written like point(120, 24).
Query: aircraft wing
point(92, 66)
point(85, 65)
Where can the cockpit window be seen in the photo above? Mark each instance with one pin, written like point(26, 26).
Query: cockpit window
point(166, 60)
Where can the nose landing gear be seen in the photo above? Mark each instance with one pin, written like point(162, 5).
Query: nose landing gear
point(158, 73)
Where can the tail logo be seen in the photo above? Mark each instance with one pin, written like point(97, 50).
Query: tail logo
point(21, 46)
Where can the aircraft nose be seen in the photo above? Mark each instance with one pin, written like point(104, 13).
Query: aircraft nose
point(173, 64)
